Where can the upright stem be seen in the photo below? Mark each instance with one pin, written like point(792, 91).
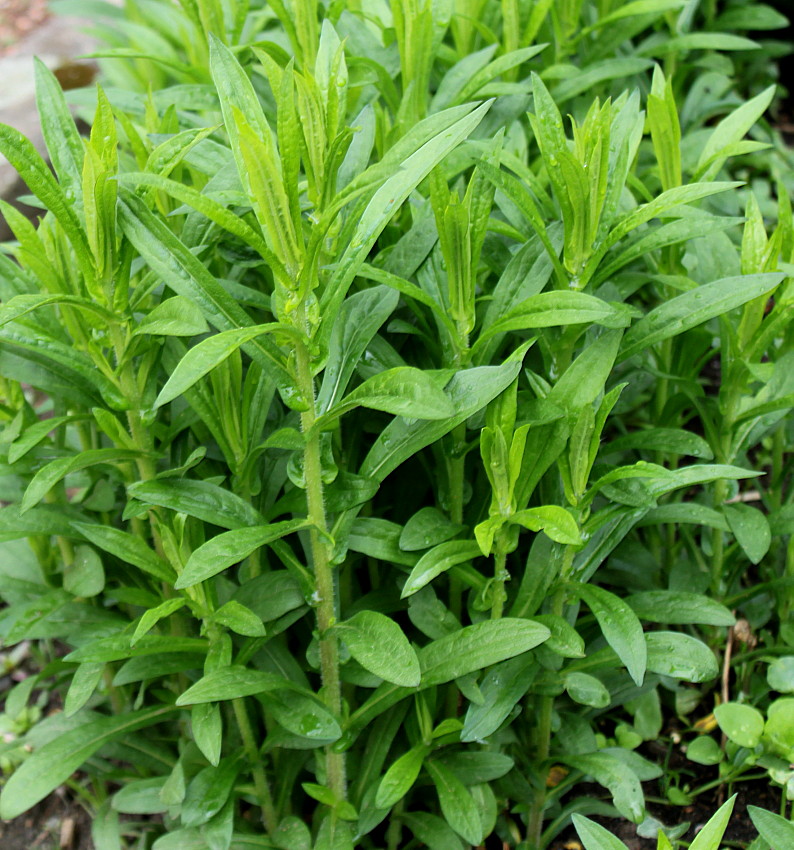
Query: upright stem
point(499, 578)
point(323, 571)
point(545, 712)
point(269, 817)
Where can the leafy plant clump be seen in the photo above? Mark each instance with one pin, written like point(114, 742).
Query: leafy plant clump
point(395, 426)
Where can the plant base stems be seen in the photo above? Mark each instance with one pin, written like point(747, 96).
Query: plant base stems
point(265, 798)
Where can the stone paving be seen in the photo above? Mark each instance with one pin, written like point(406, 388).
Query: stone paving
point(57, 41)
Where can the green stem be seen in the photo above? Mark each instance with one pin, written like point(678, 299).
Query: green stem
point(323, 570)
point(500, 575)
point(269, 817)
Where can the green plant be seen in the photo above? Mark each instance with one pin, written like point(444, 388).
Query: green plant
point(382, 423)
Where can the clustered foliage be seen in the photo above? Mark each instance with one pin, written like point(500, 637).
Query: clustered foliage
point(384, 452)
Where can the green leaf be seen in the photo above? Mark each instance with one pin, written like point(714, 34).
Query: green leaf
point(457, 805)
point(615, 775)
point(207, 726)
point(550, 309)
point(230, 547)
point(668, 606)
point(710, 836)
point(21, 305)
point(564, 639)
point(186, 275)
point(775, 830)
point(232, 682)
point(594, 836)
point(734, 127)
point(33, 435)
point(672, 440)
point(437, 560)
point(380, 646)
point(619, 625)
point(680, 656)
point(502, 687)
point(478, 646)
point(469, 391)
point(751, 529)
point(780, 674)
point(202, 499)
point(85, 576)
point(51, 765)
point(304, 716)
point(403, 391)
point(119, 647)
point(432, 830)
point(704, 750)
point(361, 316)
point(53, 472)
point(554, 521)
point(692, 308)
point(400, 777)
point(586, 690)
point(427, 527)
point(743, 724)
point(205, 356)
point(239, 619)
point(140, 797)
point(127, 548)
point(177, 316)
point(151, 617)
point(208, 792)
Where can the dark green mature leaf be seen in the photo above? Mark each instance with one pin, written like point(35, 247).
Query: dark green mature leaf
point(50, 474)
point(54, 763)
point(120, 647)
point(456, 802)
point(432, 831)
point(620, 627)
point(680, 656)
point(478, 646)
point(751, 529)
point(202, 499)
point(127, 547)
point(668, 606)
point(232, 682)
point(437, 560)
point(231, 547)
point(613, 774)
point(380, 646)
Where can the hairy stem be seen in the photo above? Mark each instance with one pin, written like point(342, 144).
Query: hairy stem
point(323, 570)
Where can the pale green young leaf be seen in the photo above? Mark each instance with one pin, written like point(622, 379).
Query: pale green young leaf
point(695, 307)
point(556, 522)
point(751, 529)
point(618, 777)
point(239, 618)
point(743, 724)
point(403, 391)
point(206, 355)
point(85, 575)
point(710, 837)
point(774, 829)
point(735, 126)
point(594, 836)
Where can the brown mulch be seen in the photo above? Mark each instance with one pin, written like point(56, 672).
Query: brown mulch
point(17, 19)
point(56, 823)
